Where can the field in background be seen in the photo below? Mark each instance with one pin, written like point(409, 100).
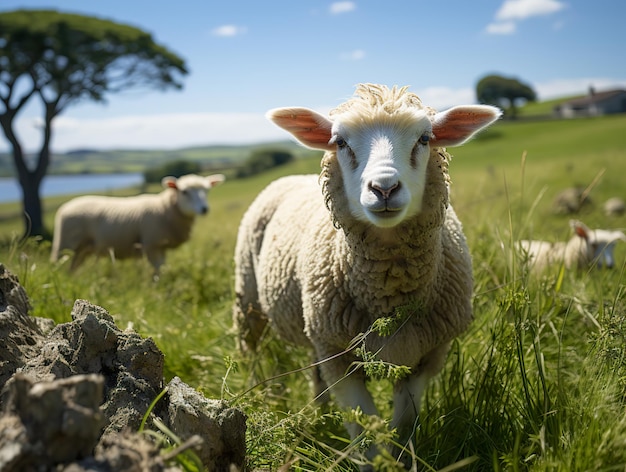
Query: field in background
point(126, 160)
point(537, 383)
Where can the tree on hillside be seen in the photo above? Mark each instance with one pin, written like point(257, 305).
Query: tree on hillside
point(175, 168)
point(264, 159)
point(59, 59)
point(504, 92)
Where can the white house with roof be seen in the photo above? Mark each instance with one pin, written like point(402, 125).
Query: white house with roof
point(593, 104)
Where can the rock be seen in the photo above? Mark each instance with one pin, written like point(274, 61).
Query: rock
point(74, 395)
point(50, 422)
point(19, 333)
point(223, 427)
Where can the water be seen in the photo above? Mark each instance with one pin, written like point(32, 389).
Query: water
point(10, 190)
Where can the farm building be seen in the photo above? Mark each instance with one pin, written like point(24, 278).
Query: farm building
point(593, 104)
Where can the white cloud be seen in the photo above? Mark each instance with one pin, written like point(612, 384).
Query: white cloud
point(522, 9)
point(513, 11)
point(166, 131)
point(441, 98)
point(504, 27)
point(228, 31)
point(342, 7)
point(355, 55)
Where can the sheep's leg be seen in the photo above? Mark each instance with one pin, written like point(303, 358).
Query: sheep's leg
point(248, 318)
point(350, 392)
point(80, 254)
point(407, 398)
point(156, 256)
point(250, 323)
point(320, 388)
point(408, 394)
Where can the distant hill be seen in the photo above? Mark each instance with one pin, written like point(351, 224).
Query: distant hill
point(81, 161)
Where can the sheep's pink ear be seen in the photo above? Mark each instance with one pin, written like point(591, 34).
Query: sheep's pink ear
point(580, 229)
point(307, 126)
point(215, 179)
point(169, 182)
point(458, 124)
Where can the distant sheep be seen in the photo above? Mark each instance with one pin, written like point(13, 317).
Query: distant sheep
point(585, 249)
point(614, 206)
point(126, 227)
point(570, 201)
point(379, 236)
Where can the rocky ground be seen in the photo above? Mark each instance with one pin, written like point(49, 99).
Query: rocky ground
point(73, 397)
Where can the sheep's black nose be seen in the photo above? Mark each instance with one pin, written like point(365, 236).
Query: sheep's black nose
point(384, 192)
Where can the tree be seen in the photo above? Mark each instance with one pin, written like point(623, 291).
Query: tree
point(264, 159)
point(503, 92)
point(175, 168)
point(61, 59)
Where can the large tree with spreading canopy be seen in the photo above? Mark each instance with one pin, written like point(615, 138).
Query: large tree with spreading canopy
point(61, 59)
point(505, 92)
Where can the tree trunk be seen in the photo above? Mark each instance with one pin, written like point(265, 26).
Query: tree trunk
point(33, 210)
point(30, 180)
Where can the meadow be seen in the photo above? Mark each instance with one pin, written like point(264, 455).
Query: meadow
point(537, 383)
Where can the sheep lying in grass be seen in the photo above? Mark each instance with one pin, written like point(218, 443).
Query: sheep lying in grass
point(586, 248)
point(571, 200)
point(614, 206)
point(132, 226)
point(378, 238)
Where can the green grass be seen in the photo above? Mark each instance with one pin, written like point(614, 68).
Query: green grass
point(543, 109)
point(536, 384)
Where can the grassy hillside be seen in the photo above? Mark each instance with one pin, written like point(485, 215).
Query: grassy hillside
point(536, 384)
point(124, 160)
point(542, 109)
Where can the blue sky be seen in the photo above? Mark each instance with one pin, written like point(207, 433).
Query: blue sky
point(247, 56)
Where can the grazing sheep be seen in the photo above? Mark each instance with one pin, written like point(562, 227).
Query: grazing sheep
point(571, 200)
point(585, 249)
point(614, 206)
point(379, 237)
point(132, 226)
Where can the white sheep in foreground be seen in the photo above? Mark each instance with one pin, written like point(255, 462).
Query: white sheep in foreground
point(126, 227)
point(586, 248)
point(322, 264)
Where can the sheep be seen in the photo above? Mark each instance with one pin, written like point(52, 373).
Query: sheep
point(127, 227)
point(585, 249)
point(571, 200)
point(614, 206)
point(321, 265)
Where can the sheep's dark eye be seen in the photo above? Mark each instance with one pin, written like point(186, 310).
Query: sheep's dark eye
point(424, 139)
point(340, 142)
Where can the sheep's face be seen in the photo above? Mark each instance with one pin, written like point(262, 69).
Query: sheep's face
point(596, 245)
point(600, 246)
point(192, 200)
point(383, 162)
point(382, 139)
point(192, 192)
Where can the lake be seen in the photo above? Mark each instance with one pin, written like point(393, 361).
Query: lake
point(10, 190)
